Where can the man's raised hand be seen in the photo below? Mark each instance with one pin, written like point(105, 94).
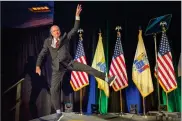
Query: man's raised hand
point(78, 10)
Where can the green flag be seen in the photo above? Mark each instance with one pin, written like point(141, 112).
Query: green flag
point(103, 99)
point(99, 63)
point(179, 67)
point(178, 91)
point(174, 97)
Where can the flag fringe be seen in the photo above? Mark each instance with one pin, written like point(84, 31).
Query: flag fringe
point(76, 89)
point(163, 85)
point(119, 88)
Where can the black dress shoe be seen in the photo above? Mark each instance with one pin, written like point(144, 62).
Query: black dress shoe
point(110, 80)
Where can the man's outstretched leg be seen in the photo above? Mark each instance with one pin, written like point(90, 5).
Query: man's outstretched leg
point(76, 66)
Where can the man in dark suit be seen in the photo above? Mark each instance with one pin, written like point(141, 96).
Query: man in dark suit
point(58, 46)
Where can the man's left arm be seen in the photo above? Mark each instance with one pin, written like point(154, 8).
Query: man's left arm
point(77, 22)
point(75, 28)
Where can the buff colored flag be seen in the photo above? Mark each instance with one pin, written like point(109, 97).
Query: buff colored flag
point(141, 74)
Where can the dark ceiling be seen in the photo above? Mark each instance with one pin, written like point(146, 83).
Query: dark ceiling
point(17, 15)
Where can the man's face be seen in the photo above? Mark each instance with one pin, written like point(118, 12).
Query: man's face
point(55, 31)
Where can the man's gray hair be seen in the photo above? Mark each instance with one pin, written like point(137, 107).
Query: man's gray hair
point(53, 26)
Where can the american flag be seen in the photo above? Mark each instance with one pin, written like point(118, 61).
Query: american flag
point(165, 72)
point(79, 79)
point(118, 67)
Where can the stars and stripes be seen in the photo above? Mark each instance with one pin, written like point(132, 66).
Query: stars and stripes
point(118, 67)
point(79, 79)
point(165, 72)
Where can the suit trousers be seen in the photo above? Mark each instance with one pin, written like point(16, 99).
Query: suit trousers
point(57, 77)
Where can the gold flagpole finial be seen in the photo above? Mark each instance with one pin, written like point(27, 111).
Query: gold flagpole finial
point(80, 31)
point(163, 24)
point(118, 28)
point(100, 32)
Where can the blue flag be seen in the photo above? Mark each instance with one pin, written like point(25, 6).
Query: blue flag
point(92, 94)
point(133, 96)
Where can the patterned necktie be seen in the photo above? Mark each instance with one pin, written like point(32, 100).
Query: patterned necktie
point(57, 43)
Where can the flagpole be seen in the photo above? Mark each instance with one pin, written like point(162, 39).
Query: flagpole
point(99, 106)
point(118, 28)
point(142, 96)
point(144, 106)
point(107, 56)
point(81, 102)
point(167, 100)
point(121, 106)
point(99, 102)
point(158, 90)
point(162, 24)
point(81, 92)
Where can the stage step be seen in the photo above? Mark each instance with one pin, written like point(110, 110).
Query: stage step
point(70, 117)
point(109, 117)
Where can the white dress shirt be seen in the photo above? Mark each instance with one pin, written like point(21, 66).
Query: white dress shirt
point(54, 42)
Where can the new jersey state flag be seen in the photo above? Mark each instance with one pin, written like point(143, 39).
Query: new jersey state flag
point(141, 74)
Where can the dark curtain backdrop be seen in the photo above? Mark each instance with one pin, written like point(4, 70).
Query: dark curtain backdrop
point(19, 44)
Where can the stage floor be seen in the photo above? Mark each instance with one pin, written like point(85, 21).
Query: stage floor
point(108, 117)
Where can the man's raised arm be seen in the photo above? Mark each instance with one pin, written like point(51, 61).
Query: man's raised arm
point(77, 22)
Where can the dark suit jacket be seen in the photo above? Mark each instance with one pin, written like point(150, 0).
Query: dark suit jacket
point(59, 55)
